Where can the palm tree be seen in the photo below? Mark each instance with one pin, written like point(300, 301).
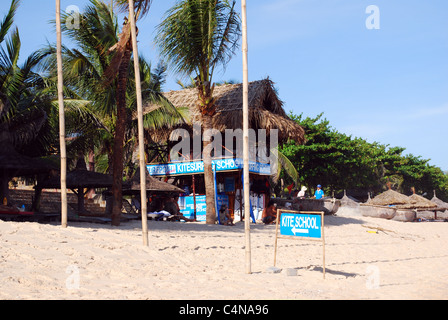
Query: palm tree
point(196, 37)
point(119, 69)
point(87, 70)
point(25, 107)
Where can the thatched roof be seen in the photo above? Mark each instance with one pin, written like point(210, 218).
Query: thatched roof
point(394, 198)
point(421, 202)
point(79, 178)
point(152, 184)
point(389, 197)
point(265, 109)
point(348, 201)
point(16, 164)
point(439, 202)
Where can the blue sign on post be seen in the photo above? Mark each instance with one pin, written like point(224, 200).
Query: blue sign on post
point(301, 225)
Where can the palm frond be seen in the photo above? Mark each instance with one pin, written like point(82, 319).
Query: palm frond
point(8, 20)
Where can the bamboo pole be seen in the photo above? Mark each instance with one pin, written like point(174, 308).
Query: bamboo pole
point(141, 145)
point(61, 117)
point(246, 140)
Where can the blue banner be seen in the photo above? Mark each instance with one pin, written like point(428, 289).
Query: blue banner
point(301, 225)
point(186, 205)
point(194, 167)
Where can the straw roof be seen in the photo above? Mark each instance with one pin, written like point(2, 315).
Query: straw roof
point(265, 109)
point(348, 201)
point(16, 164)
point(394, 198)
point(389, 197)
point(152, 184)
point(79, 178)
point(439, 202)
point(421, 202)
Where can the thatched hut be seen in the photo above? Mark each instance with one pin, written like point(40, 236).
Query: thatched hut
point(265, 110)
point(439, 202)
point(394, 205)
point(14, 164)
point(77, 180)
point(152, 185)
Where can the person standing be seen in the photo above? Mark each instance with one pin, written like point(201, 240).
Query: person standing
point(319, 194)
point(301, 194)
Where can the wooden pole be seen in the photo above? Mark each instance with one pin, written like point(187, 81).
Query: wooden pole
point(246, 140)
point(141, 146)
point(61, 117)
point(323, 243)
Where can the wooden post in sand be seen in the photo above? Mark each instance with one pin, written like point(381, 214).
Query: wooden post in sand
point(246, 140)
point(141, 146)
point(62, 144)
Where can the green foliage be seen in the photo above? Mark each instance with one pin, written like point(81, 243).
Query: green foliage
point(341, 162)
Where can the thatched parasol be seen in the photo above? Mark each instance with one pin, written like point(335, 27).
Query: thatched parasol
point(390, 197)
point(152, 184)
point(439, 202)
point(78, 180)
point(15, 164)
point(265, 110)
point(348, 201)
point(421, 202)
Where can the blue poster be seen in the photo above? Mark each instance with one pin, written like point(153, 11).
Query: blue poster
point(186, 205)
point(220, 165)
point(301, 225)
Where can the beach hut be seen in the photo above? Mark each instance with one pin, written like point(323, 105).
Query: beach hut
point(385, 205)
point(78, 180)
point(397, 206)
point(439, 202)
point(152, 185)
point(265, 112)
point(14, 164)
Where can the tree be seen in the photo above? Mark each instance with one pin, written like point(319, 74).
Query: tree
point(25, 108)
point(85, 69)
point(340, 162)
point(196, 37)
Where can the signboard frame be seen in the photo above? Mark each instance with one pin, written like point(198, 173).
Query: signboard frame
point(299, 237)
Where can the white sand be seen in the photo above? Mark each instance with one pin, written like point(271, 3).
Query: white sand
point(198, 261)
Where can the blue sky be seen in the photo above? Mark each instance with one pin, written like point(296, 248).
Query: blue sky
point(388, 85)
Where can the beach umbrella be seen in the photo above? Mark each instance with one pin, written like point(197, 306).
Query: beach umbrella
point(149, 184)
point(14, 164)
point(390, 197)
point(439, 202)
point(78, 180)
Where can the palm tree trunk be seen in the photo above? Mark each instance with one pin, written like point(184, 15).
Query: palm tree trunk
point(61, 118)
point(208, 174)
point(120, 128)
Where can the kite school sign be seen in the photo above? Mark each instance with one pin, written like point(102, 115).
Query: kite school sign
point(300, 225)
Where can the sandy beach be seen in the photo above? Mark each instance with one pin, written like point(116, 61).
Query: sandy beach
point(366, 258)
